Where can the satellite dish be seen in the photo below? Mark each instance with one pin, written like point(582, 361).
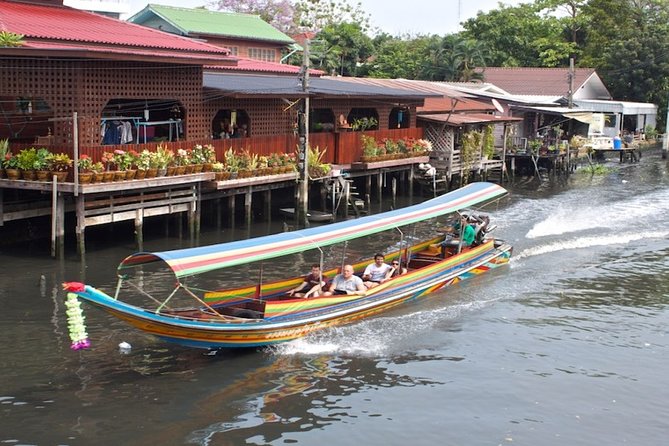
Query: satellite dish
point(497, 105)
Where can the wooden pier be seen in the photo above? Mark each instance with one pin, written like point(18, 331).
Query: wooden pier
point(134, 200)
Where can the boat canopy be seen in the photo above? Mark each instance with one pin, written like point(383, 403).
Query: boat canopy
point(193, 261)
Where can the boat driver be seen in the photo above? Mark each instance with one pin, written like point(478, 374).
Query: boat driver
point(375, 273)
point(452, 240)
point(346, 283)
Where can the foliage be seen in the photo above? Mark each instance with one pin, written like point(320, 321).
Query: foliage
point(10, 161)
point(98, 167)
point(60, 162)
point(9, 39)
point(144, 159)
point(366, 123)
point(317, 15)
point(4, 150)
point(124, 160)
point(163, 157)
point(488, 148)
point(182, 158)
point(650, 132)
point(341, 48)
point(85, 163)
point(595, 169)
point(27, 159)
point(471, 147)
point(317, 168)
point(278, 13)
point(231, 160)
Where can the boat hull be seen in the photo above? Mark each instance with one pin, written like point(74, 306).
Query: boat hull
point(219, 333)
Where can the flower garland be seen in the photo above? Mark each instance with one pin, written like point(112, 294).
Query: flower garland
point(75, 323)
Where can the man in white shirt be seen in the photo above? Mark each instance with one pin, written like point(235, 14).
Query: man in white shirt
point(376, 272)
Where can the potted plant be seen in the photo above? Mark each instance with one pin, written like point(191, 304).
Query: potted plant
point(369, 148)
point(4, 150)
point(317, 168)
point(85, 165)
point(181, 160)
point(164, 161)
point(143, 163)
point(209, 153)
point(11, 165)
point(27, 159)
point(60, 163)
point(98, 170)
point(219, 171)
point(42, 164)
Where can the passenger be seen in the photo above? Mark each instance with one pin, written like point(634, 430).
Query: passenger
point(313, 282)
point(375, 273)
point(396, 269)
point(346, 283)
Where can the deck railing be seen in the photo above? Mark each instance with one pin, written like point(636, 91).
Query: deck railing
point(340, 148)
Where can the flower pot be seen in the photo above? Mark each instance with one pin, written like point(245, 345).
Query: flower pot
point(180, 170)
point(165, 171)
point(61, 177)
point(13, 174)
point(207, 167)
point(98, 177)
point(197, 168)
point(119, 175)
point(130, 174)
point(42, 175)
point(140, 174)
point(2, 173)
point(28, 175)
point(108, 177)
point(152, 173)
point(85, 177)
point(188, 169)
point(172, 170)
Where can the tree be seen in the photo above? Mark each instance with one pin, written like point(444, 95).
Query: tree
point(278, 13)
point(399, 57)
point(348, 43)
point(316, 15)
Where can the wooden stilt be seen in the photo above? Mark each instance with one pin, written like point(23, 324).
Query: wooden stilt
point(368, 185)
point(248, 197)
point(394, 189)
point(410, 181)
point(379, 186)
point(139, 229)
point(81, 224)
point(268, 205)
point(60, 226)
point(231, 210)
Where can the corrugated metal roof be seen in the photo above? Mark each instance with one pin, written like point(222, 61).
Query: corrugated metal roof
point(456, 119)
point(214, 23)
point(436, 89)
point(63, 24)
point(245, 64)
point(536, 81)
point(237, 85)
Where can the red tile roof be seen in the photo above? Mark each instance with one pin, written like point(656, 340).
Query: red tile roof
point(244, 64)
point(536, 81)
point(60, 24)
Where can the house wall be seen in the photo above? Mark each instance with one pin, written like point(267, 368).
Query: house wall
point(85, 87)
point(239, 47)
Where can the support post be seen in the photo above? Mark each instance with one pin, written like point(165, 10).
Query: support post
point(302, 202)
point(379, 185)
point(219, 213)
point(368, 185)
point(139, 228)
point(393, 188)
point(60, 225)
point(410, 181)
point(231, 210)
point(268, 205)
point(248, 197)
point(81, 225)
point(54, 215)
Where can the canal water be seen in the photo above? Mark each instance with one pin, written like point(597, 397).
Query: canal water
point(567, 345)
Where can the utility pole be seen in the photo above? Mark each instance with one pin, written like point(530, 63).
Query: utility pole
point(302, 204)
point(570, 94)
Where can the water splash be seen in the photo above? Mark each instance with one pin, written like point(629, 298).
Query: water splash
point(587, 242)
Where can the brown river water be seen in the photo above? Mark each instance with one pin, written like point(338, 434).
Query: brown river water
point(568, 345)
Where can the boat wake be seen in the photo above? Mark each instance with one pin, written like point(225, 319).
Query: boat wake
point(587, 242)
point(379, 336)
point(623, 214)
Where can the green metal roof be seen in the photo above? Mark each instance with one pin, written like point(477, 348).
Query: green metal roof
point(213, 23)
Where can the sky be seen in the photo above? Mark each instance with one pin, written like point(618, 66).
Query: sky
point(394, 16)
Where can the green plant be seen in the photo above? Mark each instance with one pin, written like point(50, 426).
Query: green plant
point(144, 160)
point(27, 158)
point(9, 39)
point(11, 161)
point(60, 162)
point(317, 168)
point(365, 123)
point(535, 145)
point(163, 157)
point(85, 163)
point(391, 146)
point(231, 160)
point(488, 141)
point(43, 161)
point(595, 169)
point(122, 159)
point(4, 151)
point(369, 145)
point(97, 167)
point(471, 146)
point(650, 131)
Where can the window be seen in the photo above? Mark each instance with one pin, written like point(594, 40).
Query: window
point(267, 55)
point(234, 50)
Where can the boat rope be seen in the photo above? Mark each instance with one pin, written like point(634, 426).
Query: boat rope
point(144, 292)
point(160, 307)
point(203, 302)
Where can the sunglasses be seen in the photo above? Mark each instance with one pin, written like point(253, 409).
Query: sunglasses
point(396, 263)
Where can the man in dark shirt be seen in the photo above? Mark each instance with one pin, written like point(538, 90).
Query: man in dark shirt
point(312, 284)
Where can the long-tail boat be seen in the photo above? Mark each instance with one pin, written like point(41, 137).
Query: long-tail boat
point(263, 313)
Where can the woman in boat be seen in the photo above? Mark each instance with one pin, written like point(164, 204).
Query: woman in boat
point(397, 269)
point(313, 282)
point(346, 283)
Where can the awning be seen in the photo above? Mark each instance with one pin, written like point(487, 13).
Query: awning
point(458, 119)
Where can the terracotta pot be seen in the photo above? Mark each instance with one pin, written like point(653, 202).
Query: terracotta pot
point(164, 172)
point(108, 177)
point(152, 173)
point(130, 174)
point(180, 170)
point(42, 175)
point(85, 177)
point(197, 168)
point(119, 175)
point(98, 177)
point(140, 175)
point(189, 168)
point(2, 173)
point(61, 177)
point(28, 175)
point(172, 170)
point(13, 174)
point(207, 167)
